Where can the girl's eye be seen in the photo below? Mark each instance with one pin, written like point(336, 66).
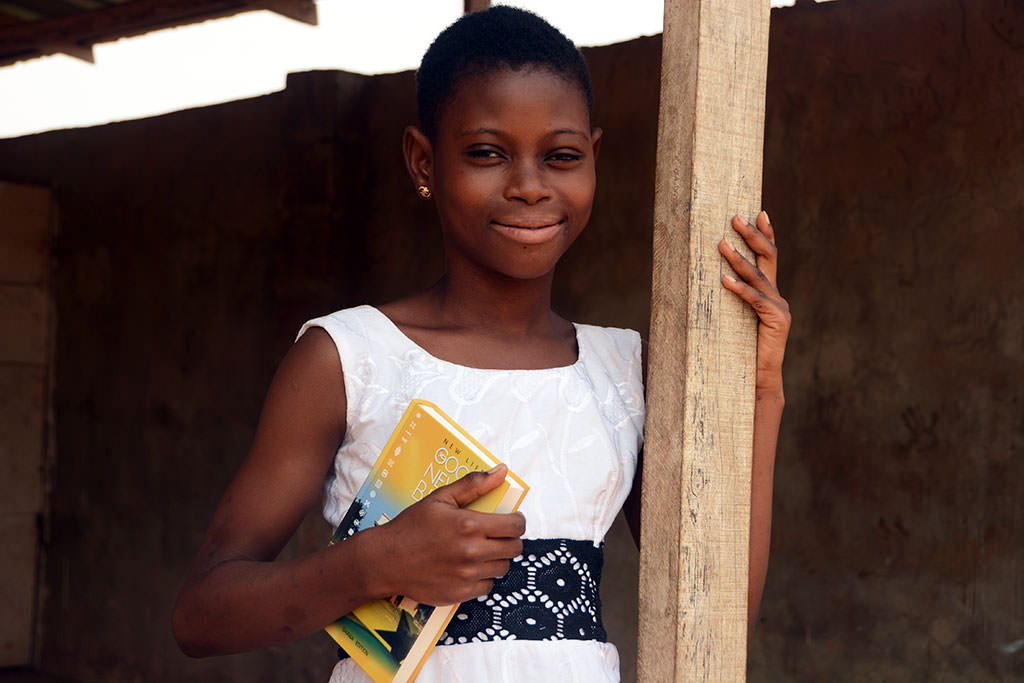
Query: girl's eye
point(485, 154)
point(565, 157)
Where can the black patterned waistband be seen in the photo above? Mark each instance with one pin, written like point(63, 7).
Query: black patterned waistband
point(551, 592)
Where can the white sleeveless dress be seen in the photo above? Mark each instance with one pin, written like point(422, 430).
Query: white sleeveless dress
point(572, 433)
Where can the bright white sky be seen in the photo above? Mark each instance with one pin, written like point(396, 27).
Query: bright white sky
point(251, 54)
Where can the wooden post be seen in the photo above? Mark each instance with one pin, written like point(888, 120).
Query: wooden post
point(470, 6)
point(700, 391)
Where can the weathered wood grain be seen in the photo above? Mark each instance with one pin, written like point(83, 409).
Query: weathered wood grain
point(700, 390)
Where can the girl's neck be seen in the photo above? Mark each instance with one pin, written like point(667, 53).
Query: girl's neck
point(487, 324)
point(511, 307)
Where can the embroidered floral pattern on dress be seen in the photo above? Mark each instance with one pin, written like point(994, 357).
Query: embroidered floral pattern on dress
point(574, 389)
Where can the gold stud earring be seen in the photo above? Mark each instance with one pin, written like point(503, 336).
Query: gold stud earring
point(424, 192)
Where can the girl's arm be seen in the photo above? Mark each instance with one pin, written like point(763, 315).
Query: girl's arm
point(235, 597)
point(756, 286)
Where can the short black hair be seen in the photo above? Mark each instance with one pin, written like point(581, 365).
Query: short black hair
point(494, 39)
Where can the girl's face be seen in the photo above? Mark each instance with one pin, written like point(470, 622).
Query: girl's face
point(511, 171)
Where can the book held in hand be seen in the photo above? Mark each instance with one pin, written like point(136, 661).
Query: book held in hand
point(390, 639)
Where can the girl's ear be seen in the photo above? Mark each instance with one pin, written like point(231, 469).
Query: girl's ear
point(595, 139)
point(418, 155)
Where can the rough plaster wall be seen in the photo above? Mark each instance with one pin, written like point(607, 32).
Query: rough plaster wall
point(894, 169)
point(166, 300)
point(25, 364)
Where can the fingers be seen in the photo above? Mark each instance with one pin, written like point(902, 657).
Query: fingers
point(771, 310)
point(496, 569)
point(765, 226)
point(487, 559)
point(748, 272)
point(470, 487)
point(511, 525)
point(756, 283)
point(744, 268)
point(488, 572)
point(761, 232)
point(480, 577)
point(761, 240)
point(472, 573)
point(491, 525)
point(499, 560)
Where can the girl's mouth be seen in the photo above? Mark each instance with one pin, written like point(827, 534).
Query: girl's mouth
point(530, 232)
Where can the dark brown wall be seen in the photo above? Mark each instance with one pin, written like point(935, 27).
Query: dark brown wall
point(895, 167)
point(166, 311)
point(191, 247)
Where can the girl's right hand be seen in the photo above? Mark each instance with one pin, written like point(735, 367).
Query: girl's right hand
point(437, 552)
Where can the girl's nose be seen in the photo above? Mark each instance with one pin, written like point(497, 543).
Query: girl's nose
point(527, 183)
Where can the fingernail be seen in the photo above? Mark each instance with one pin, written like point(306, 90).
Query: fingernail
point(730, 278)
point(766, 216)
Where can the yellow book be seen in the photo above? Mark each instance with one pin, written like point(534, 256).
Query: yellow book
point(390, 639)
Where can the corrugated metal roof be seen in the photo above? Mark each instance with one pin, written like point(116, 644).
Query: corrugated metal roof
point(30, 28)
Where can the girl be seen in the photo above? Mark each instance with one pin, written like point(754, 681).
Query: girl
point(506, 151)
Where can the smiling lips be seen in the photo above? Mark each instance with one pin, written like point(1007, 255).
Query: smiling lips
point(534, 231)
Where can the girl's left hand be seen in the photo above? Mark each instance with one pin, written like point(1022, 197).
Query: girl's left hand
point(757, 286)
